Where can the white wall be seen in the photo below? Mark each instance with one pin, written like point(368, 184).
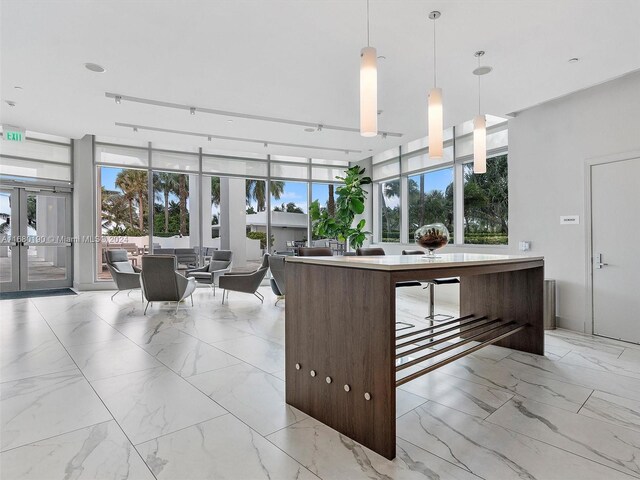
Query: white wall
point(548, 147)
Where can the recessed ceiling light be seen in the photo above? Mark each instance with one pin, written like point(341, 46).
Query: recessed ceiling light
point(574, 60)
point(229, 121)
point(94, 67)
point(380, 112)
point(309, 129)
point(11, 103)
point(17, 87)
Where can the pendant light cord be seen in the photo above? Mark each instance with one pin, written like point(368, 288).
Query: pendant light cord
point(435, 83)
point(479, 87)
point(368, 43)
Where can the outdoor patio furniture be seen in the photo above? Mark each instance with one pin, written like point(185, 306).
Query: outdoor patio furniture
point(162, 283)
point(125, 275)
point(219, 264)
point(245, 282)
point(187, 257)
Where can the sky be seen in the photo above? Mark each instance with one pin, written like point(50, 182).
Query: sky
point(435, 180)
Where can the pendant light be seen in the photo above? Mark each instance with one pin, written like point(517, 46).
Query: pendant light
point(480, 125)
point(368, 88)
point(435, 114)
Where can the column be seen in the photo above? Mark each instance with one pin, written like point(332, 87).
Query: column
point(233, 233)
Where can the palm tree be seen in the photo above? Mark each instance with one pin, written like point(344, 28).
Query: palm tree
point(133, 184)
point(183, 193)
point(124, 183)
point(166, 182)
point(256, 191)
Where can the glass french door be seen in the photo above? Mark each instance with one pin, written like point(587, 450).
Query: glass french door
point(35, 239)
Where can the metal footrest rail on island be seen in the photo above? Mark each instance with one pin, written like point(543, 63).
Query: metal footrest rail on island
point(514, 328)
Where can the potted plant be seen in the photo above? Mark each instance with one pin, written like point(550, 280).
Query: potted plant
point(350, 202)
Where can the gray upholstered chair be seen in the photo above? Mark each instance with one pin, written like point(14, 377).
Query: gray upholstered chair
point(315, 252)
point(278, 285)
point(125, 275)
point(161, 282)
point(245, 282)
point(219, 264)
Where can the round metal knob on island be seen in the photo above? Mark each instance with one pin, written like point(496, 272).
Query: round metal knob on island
point(347, 388)
point(367, 396)
point(313, 373)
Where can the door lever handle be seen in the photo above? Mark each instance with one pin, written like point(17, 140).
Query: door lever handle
point(599, 263)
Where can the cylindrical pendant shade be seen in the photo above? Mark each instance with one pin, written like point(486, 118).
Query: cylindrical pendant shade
point(435, 123)
point(479, 144)
point(368, 92)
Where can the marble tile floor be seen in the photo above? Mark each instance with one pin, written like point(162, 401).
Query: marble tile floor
point(91, 388)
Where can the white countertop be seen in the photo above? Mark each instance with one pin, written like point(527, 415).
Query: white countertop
point(411, 262)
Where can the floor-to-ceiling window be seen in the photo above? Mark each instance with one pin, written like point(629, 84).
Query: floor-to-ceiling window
point(123, 213)
point(486, 203)
point(430, 200)
point(289, 215)
point(413, 189)
point(390, 211)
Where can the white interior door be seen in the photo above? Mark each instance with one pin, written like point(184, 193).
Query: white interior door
point(615, 230)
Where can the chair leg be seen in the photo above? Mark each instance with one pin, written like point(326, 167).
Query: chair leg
point(117, 292)
point(145, 308)
point(223, 294)
point(213, 286)
point(177, 306)
point(191, 299)
point(259, 296)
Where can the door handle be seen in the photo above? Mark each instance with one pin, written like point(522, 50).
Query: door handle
point(599, 263)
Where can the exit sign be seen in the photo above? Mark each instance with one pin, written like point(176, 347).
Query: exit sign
point(13, 135)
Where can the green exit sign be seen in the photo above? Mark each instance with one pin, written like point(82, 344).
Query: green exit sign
point(13, 136)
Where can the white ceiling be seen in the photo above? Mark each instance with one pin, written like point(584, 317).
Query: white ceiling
point(297, 59)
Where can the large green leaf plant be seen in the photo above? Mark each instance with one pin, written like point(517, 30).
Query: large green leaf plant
point(350, 202)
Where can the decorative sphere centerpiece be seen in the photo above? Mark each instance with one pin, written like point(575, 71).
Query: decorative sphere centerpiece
point(432, 237)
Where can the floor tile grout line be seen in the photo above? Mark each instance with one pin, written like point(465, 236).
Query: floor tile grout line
point(226, 412)
point(559, 378)
point(104, 404)
point(436, 455)
point(585, 402)
point(57, 435)
point(70, 369)
point(637, 474)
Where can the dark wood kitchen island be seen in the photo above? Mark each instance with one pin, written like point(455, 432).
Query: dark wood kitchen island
point(344, 358)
